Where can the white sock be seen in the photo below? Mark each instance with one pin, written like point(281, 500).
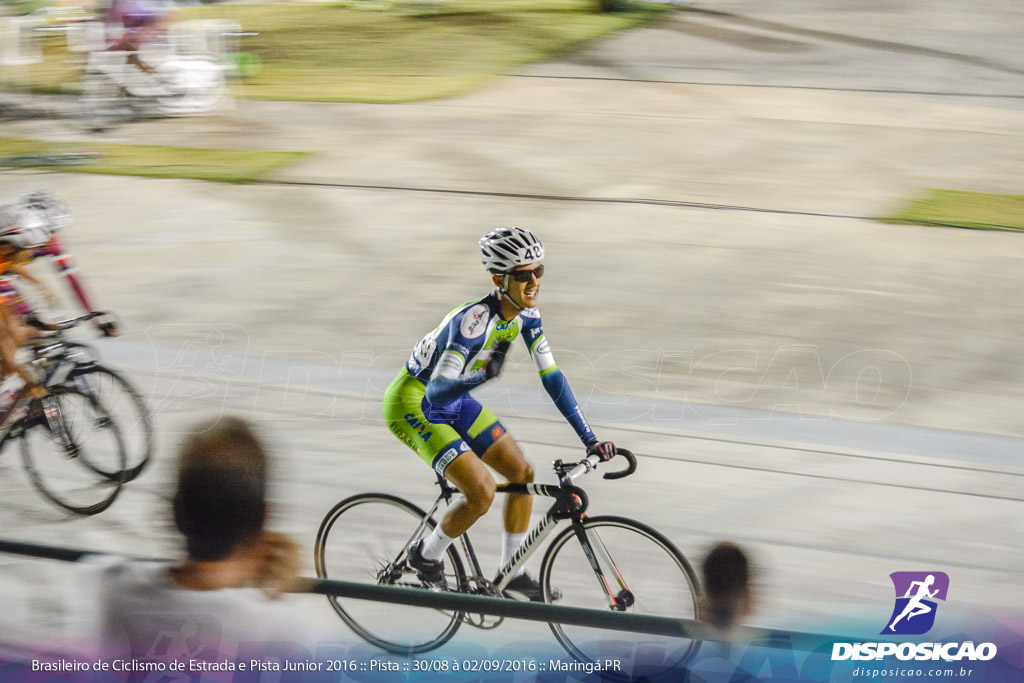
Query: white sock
point(510, 545)
point(434, 545)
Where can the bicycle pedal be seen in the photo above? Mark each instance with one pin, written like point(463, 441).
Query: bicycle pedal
point(515, 595)
point(433, 587)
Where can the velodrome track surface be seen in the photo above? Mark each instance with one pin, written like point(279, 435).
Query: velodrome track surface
point(839, 395)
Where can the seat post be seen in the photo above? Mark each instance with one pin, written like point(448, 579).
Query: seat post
point(447, 490)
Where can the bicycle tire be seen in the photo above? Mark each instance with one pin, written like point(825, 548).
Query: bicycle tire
point(126, 406)
point(369, 545)
point(102, 104)
point(660, 581)
point(48, 443)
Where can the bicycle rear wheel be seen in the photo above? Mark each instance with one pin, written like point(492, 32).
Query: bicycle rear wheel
point(102, 104)
point(67, 440)
point(126, 407)
point(364, 539)
point(643, 573)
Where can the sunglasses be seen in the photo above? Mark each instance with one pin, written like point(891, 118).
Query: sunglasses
point(527, 275)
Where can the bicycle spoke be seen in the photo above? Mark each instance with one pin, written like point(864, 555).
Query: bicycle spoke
point(638, 571)
point(68, 440)
point(363, 539)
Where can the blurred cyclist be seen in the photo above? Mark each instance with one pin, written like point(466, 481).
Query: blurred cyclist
point(18, 237)
point(429, 408)
point(44, 209)
point(132, 24)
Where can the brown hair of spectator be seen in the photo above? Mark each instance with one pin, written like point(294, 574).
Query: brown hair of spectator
point(220, 505)
point(727, 575)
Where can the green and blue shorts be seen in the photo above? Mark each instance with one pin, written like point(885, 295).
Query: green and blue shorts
point(439, 433)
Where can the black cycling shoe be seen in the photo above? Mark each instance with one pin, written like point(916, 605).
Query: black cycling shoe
point(430, 572)
point(529, 588)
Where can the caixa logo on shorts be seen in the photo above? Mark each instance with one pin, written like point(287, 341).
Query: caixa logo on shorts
point(916, 593)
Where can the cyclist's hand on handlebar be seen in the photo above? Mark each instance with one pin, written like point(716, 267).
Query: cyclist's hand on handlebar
point(109, 328)
point(32, 320)
point(497, 360)
point(605, 449)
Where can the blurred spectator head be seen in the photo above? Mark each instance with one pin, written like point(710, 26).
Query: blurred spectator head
point(220, 503)
point(727, 577)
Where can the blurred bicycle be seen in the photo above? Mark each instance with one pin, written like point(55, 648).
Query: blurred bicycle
point(605, 562)
point(114, 91)
point(155, 69)
point(69, 363)
point(71, 445)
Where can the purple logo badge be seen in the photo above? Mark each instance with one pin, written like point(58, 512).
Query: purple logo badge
point(916, 593)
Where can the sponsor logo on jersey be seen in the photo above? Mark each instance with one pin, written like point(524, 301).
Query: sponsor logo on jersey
point(422, 428)
point(506, 331)
point(446, 458)
point(402, 436)
point(474, 321)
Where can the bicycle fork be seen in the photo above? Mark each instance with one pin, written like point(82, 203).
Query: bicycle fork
point(598, 556)
point(55, 423)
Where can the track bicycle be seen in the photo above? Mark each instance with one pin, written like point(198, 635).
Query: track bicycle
point(68, 362)
point(71, 448)
point(605, 562)
point(114, 92)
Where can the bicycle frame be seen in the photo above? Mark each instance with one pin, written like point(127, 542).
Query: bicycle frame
point(570, 503)
point(63, 366)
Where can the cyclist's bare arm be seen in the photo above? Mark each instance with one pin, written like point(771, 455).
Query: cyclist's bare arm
point(13, 335)
point(23, 272)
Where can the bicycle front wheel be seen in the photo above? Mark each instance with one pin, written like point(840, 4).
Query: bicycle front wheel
point(364, 539)
point(68, 440)
point(639, 571)
point(126, 407)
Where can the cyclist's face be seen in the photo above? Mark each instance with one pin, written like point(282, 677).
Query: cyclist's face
point(526, 294)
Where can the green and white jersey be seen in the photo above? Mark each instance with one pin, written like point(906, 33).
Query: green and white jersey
point(463, 341)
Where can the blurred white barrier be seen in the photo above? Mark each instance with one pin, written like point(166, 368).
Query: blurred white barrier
point(19, 50)
point(218, 38)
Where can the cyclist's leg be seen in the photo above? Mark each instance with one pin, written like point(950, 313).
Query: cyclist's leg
point(443, 448)
point(476, 484)
point(485, 434)
point(505, 456)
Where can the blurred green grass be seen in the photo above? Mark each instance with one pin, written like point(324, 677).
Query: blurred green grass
point(333, 52)
point(152, 161)
point(962, 209)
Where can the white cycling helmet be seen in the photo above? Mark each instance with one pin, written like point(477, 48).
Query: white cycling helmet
point(506, 249)
point(44, 201)
point(23, 229)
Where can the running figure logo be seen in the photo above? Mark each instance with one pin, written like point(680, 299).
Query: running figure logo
point(916, 593)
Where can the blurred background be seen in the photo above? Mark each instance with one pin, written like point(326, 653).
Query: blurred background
point(783, 250)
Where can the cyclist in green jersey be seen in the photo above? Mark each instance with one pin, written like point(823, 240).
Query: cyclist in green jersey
point(429, 408)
